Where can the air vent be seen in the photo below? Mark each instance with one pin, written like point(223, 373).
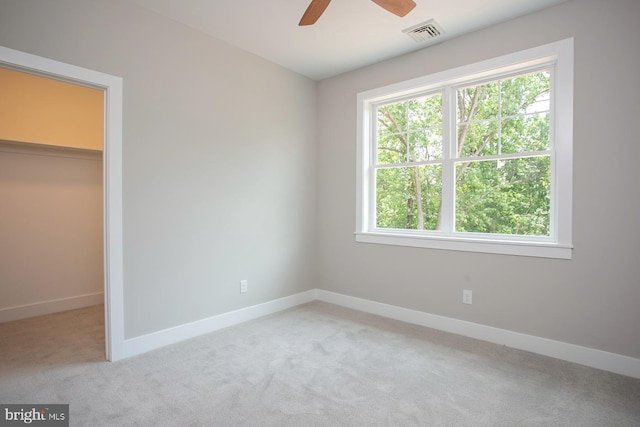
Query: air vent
point(424, 31)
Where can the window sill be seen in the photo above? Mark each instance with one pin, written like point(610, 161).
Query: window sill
point(503, 247)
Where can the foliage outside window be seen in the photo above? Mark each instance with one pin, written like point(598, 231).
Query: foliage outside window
point(477, 158)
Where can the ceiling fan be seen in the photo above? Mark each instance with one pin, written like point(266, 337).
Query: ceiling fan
point(317, 7)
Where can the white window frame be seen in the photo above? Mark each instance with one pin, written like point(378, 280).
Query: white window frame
point(557, 55)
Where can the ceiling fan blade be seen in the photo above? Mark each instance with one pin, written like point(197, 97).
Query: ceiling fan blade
point(397, 7)
point(313, 12)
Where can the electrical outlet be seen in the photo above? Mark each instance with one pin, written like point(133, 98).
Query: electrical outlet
point(243, 286)
point(467, 297)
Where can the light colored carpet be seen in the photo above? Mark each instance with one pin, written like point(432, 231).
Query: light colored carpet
point(313, 365)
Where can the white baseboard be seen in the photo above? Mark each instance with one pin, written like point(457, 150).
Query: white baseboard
point(142, 344)
point(611, 362)
point(47, 307)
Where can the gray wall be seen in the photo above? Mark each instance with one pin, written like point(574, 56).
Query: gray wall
point(218, 157)
point(591, 300)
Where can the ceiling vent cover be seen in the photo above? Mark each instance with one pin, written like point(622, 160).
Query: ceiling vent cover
point(424, 31)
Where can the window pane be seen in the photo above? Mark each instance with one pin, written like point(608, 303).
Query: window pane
point(425, 145)
point(392, 118)
point(525, 94)
point(425, 113)
point(409, 197)
point(410, 131)
point(478, 102)
point(505, 116)
point(392, 149)
point(525, 133)
point(478, 138)
point(504, 197)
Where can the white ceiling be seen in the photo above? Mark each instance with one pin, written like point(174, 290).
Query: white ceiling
point(349, 35)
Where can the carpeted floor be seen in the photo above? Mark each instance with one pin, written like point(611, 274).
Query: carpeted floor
point(313, 365)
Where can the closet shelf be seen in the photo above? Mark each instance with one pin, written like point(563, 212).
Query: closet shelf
point(32, 148)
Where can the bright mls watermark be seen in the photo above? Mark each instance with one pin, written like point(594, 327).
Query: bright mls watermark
point(34, 414)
